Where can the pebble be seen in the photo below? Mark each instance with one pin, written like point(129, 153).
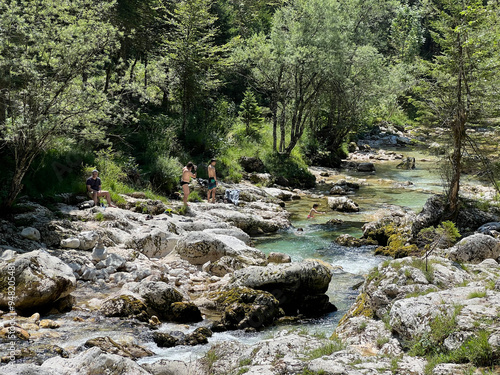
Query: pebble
point(47, 323)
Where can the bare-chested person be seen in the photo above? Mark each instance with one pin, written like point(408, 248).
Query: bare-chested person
point(187, 173)
point(212, 180)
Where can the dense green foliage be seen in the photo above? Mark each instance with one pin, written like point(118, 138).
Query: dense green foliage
point(149, 85)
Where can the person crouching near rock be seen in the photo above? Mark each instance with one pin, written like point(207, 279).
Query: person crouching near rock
point(212, 180)
point(187, 172)
point(94, 189)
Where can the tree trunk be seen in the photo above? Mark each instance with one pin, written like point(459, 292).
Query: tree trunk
point(456, 164)
point(458, 131)
point(16, 184)
point(275, 126)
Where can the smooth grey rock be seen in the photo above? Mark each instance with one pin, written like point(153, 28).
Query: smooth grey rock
point(284, 195)
point(31, 234)
point(488, 228)
point(167, 367)
point(70, 243)
point(40, 279)
point(153, 242)
point(342, 204)
point(234, 232)
point(275, 257)
point(200, 247)
point(366, 167)
point(475, 249)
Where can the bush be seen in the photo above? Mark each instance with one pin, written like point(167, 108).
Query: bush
point(165, 174)
point(445, 235)
point(292, 168)
point(58, 171)
point(194, 197)
point(475, 350)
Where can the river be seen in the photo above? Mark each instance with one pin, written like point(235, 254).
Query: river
point(387, 186)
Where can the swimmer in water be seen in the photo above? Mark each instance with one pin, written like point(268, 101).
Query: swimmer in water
point(314, 211)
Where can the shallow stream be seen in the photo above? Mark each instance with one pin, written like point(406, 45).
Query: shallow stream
point(385, 187)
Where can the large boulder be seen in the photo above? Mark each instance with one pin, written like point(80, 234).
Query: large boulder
point(342, 204)
point(125, 306)
point(366, 167)
point(475, 249)
point(284, 195)
point(40, 279)
point(298, 286)
point(244, 308)
point(158, 296)
point(343, 187)
point(470, 217)
point(153, 242)
point(201, 247)
point(167, 340)
point(413, 317)
point(31, 234)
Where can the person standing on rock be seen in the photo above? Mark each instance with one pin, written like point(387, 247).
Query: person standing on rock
point(187, 173)
point(94, 189)
point(212, 180)
point(314, 211)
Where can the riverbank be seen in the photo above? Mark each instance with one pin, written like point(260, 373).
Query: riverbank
point(136, 282)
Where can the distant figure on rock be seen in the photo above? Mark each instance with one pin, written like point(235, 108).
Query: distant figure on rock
point(94, 189)
point(314, 211)
point(409, 163)
point(212, 180)
point(187, 173)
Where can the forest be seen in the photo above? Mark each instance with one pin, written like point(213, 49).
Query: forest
point(137, 88)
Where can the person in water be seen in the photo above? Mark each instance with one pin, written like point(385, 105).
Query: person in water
point(212, 180)
point(187, 172)
point(314, 211)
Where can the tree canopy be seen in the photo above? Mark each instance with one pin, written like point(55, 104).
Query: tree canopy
point(152, 84)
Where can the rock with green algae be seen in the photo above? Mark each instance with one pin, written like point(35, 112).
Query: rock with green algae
point(245, 308)
point(125, 306)
point(351, 241)
point(397, 247)
point(168, 340)
point(185, 312)
point(295, 285)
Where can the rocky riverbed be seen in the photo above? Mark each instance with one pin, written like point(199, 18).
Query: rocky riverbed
point(98, 291)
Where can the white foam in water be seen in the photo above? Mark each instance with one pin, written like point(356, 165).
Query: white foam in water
point(358, 266)
point(190, 353)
